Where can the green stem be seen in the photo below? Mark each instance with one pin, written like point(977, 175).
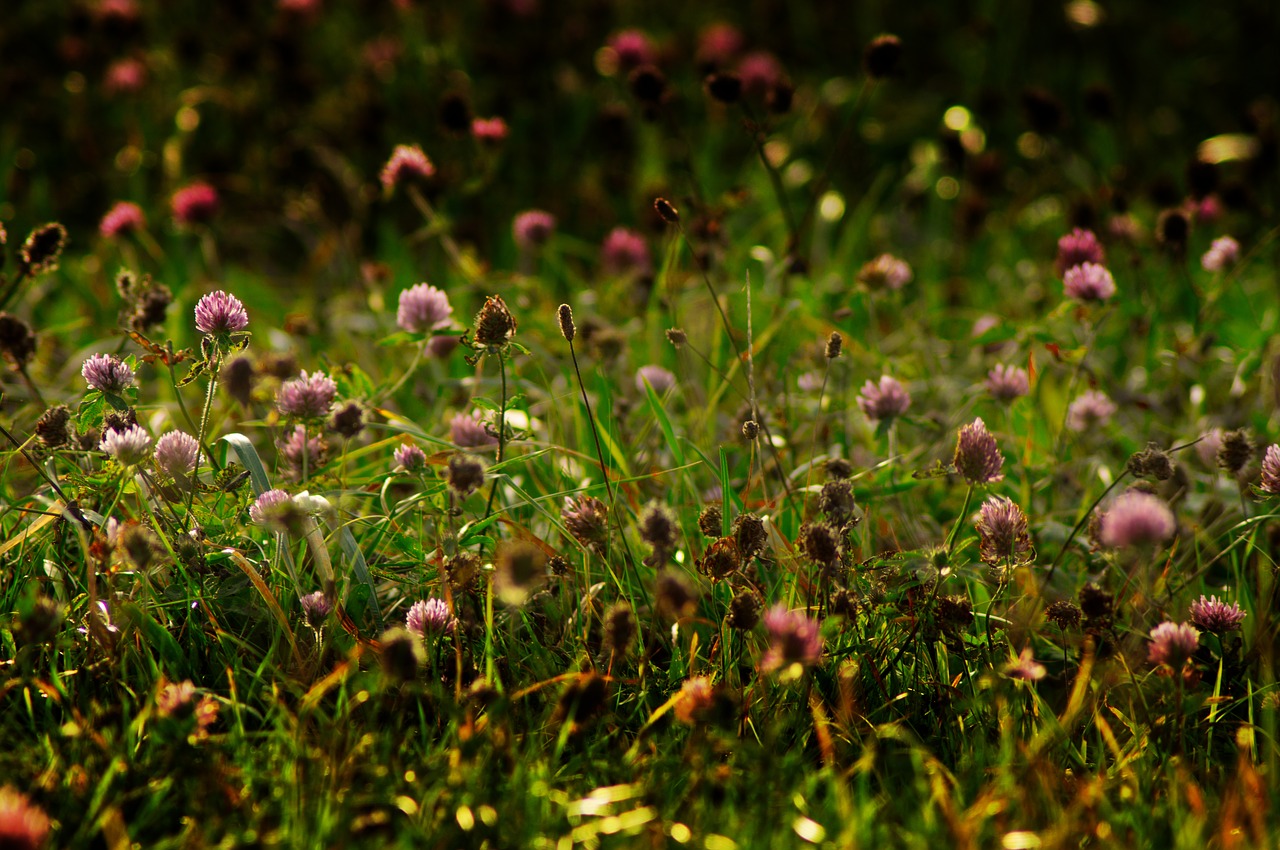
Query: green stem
point(502, 432)
point(215, 365)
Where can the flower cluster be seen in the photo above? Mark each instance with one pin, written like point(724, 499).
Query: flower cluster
point(307, 397)
point(424, 309)
point(884, 400)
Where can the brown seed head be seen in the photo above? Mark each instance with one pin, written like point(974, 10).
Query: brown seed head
point(564, 316)
point(666, 211)
point(495, 326)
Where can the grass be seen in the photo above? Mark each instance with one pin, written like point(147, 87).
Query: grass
point(721, 601)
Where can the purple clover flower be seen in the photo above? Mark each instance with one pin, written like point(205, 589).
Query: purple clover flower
point(1089, 282)
point(1172, 645)
point(532, 229)
point(128, 446)
point(423, 309)
point(1078, 247)
point(409, 457)
point(315, 608)
point(430, 617)
point(1215, 616)
point(220, 313)
point(885, 272)
point(659, 378)
point(122, 219)
point(625, 252)
point(886, 400)
point(1090, 408)
point(466, 431)
point(177, 454)
point(1002, 532)
point(194, 204)
point(1222, 255)
point(1006, 383)
point(307, 397)
point(1136, 518)
point(272, 510)
point(107, 373)
point(793, 639)
point(1271, 470)
point(978, 458)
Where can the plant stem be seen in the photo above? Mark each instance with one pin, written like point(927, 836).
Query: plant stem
point(502, 432)
point(215, 365)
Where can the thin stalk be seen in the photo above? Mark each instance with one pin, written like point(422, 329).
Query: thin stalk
point(13, 287)
point(214, 366)
point(502, 432)
point(775, 179)
point(1079, 525)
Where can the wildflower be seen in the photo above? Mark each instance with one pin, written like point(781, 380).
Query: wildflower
point(464, 473)
point(793, 639)
point(194, 204)
point(884, 401)
point(406, 162)
point(759, 72)
point(125, 76)
point(315, 608)
point(1002, 532)
point(721, 560)
point(750, 534)
point(750, 430)
point(625, 252)
point(1172, 645)
point(1063, 613)
point(1025, 667)
point(1006, 383)
point(273, 510)
point(1212, 615)
point(533, 229)
point(744, 611)
point(675, 598)
point(657, 377)
point(881, 56)
point(1236, 451)
point(1271, 470)
point(978, 458)
point(519, 567)
point(587, 519)
point(409, 457)
point(303, 451)
point(697, 700)
point(122, 219)
point(42, 249)
point(430, 618)
point(220, 313)
point(836, 500)
point(839, 468)
point(347, 420)
point(306, 397)
point(17, 339)
point(633, 49)
point(1151, 462)
point(1136, 518)
point(177, 454)
point(1222, 255)
point(129, 447)
point(820, 544)
point(1078, 247)
point(1088, 282)
point(718, 44)
point(658, 529)
point(835, 345)
point(488, 131)
point(23, 824)
point(423, 309)
point(885, 272)
point(494, 325)
point(1090, 408)
point(466, 431)
point(619, 629)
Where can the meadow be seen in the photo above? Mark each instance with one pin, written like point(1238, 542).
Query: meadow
point(551, 425)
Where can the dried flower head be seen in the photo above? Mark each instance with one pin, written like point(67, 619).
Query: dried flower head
point(307, 397)
point(625, 252)
point(744, 611)
point(657, 377)
point(1089, 409)
point(1006, 383)
point(820, 543)
point(220, 313)
point(196, 203)
point(1173, 228)
point(1236, 451)
point(38, 622)
point(885, 272)
point(564, 317)
point(587, 519)
point(954, 612)
point(1097, 605)
point(122, 219)
point(409, 457)
point(1270, 483)
point(674, 596)
point(407, 162)
point(978, 458)
point(1222, 255)
point(42, 249)
point(1088, 282)
point(17, 339)
point(177, 455)
point(129, 446)
point(401, 653)
point(464, 474)
point(1002, 533)
point(793, 639)
point(835, 344)
point(468, 431)
point(658, 528)
point(108, 374)
point(423, 309)
point(1135, 519)
point(494, 326)
point(1151, 462)
point(751, 535)
point(532, 229)
point(520, 567)
point(619, 629)
point(724, 86)
point(882, 55)
point(1078, 247)
point(52, 426)
point(1172, 645)
point(430, 618)
point(1064, 614)
point(836, 500)
point(883, 401)
point(750, 430)
point(721, 560)
point(1214, 616)
point(709, 521)
point(315, 609)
